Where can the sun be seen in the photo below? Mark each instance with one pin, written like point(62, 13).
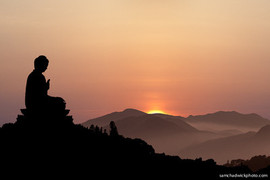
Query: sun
point(156, 112)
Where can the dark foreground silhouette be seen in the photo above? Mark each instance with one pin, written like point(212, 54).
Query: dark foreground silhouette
point(50, 149)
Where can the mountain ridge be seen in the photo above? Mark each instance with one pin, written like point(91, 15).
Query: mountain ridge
point(114, 116)
point(229, 118)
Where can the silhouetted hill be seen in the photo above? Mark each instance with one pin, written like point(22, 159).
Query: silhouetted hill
point(228, 120)
point(150, 126)
point(76, 151)
point(256, 163)
point(264, 132)
point(115, 116)
point(178, 120)
point(242, 146)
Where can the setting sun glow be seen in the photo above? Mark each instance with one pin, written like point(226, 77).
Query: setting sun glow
point(156, 112)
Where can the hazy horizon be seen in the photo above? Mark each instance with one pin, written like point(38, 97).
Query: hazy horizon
point(177, 56)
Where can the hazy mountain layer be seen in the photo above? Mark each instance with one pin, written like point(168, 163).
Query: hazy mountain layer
point(242, 146)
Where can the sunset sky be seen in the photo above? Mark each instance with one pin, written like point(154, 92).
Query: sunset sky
point(181, 57)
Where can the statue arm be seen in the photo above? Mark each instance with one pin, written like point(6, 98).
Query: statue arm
point(48, 84)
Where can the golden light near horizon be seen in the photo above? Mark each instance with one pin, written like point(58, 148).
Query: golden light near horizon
point(156, 112)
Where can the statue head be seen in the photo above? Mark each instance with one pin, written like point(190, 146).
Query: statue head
point(41, 63)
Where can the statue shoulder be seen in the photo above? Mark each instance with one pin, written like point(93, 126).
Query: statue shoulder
point(36, 76)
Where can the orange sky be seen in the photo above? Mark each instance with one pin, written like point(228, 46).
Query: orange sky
point(181, 57)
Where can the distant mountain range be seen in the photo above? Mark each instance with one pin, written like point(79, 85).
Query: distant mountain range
point(242, 146)
point(224, 120)
point(219, 135)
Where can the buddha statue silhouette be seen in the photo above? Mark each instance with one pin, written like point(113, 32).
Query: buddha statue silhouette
point(36, 95)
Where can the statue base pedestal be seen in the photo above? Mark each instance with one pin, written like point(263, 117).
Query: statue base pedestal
point(45, 118)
